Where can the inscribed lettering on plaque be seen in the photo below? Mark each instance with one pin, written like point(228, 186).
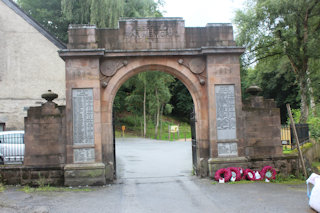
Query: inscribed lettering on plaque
point(83, 123)
point(226, 113)
point(227, 149)
point(84, 155)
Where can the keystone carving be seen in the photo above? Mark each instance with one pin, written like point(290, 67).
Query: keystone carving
point(109, 67)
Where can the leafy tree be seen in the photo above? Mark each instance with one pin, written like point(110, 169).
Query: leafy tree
point(48, 14)
point(56, 15)
point(282, 27)
point(277, 81)
point(148, 94)
point(159, 95)
point(142, 8)
point(106, 13)
point(181, 99)
point(103, 13)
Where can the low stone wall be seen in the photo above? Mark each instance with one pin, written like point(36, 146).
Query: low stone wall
point(285, 164)
point(34, 176)
point(313, 153)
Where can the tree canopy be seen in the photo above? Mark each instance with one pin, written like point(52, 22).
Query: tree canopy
point(56, 15)
point(49, 15)
point(290, 28)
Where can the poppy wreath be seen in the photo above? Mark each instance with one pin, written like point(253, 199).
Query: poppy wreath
point(223, 174)
point(268, 173)
point(248, 174)
point(235, 173)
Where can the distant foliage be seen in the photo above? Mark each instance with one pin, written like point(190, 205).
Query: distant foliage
point(181, 99)
point(48, 14)
point(290, 28)
point(56, 15)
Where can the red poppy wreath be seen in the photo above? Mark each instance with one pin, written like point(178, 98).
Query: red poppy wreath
point(223, 174)
point(235, 173)
point(249, 174)
point(268, 173)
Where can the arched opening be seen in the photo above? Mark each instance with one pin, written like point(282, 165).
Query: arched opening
point(183, 74)
point(150, 141)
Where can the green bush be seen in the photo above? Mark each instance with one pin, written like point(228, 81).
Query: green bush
point(314, 127)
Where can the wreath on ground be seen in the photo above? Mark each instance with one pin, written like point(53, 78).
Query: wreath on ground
point(235, 173)
point(268, 173)
point(248, 174)
point(223, 174)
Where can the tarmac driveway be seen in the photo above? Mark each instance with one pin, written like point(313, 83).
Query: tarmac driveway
point(157, 177)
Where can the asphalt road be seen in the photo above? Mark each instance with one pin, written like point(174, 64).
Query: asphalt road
point(157, 177)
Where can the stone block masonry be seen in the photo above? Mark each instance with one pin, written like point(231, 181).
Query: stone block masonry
point(45, 135)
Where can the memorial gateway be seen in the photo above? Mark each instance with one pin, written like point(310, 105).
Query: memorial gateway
point(228, 131)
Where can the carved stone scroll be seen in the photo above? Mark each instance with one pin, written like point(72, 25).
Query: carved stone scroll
point(195, 65)
point(110, 67)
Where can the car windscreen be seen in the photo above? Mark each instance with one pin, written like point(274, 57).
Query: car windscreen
point(13, 138)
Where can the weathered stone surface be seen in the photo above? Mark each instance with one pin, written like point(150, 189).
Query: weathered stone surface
point(262, 132)
point(217, 163)
point(45, 138)
point(205, 59)
point(84, 174)
point(26, 175)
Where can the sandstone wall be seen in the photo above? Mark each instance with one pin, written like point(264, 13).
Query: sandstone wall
point(29, 66)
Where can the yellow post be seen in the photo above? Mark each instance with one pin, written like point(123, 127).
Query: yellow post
point(123, 129)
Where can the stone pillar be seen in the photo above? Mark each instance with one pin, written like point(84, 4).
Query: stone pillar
point(225, 111)
point(83, 111)
point(45, 134)
point(262, 122)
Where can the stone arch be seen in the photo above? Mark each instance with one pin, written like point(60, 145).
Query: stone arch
point(169, 65)
point(205, 59)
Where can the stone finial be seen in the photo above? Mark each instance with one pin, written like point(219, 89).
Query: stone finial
point(253, 90)
point(49, 96)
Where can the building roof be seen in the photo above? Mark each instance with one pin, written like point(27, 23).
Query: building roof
point(34, 23)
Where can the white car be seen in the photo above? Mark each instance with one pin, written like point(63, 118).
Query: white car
point(11, 147)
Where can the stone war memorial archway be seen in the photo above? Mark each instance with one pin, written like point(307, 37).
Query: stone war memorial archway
point(205, 59)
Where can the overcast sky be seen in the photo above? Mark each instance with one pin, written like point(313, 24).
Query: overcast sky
point(198, 13)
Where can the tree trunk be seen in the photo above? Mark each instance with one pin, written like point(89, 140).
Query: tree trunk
point(144, 110)
point(304, 100)
point(157, 116)
point(161, 113)
point(312, 102)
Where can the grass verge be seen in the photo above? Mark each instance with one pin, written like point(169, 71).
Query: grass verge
point(28, 189)
point(280, 179)
point(2, 188)
point(288, 150)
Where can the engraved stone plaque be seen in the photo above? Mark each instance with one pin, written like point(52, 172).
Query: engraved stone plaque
point(83, 123)
point(84, 155)
point(227, 149)
point(226, 113)
point(166, 33)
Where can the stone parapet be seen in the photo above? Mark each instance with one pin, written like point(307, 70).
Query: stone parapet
point(150, 34)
